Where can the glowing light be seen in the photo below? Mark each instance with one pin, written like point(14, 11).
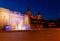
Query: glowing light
point(26, 27)
point(23, 28)
point(7, 28)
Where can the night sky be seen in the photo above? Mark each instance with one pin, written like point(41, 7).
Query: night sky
point(50, 9)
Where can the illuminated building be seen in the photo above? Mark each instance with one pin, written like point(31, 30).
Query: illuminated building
point(39, 16)
point(12, 19)
point(28, 12)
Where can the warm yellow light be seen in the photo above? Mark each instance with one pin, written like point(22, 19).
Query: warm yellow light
point(15, 21)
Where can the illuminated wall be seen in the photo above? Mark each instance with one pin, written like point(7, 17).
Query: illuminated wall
point(3, 17)
point(15, 21)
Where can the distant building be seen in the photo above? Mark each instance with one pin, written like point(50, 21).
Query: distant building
point(51, 23)
point(38, 20)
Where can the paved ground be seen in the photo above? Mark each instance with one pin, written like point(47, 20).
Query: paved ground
point(51, 34)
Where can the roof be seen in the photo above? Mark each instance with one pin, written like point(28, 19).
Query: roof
point(4, 10)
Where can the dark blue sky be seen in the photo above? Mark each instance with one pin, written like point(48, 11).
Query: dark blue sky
point(50, 9)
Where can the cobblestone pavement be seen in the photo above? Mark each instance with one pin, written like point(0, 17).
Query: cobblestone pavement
point(50, 34)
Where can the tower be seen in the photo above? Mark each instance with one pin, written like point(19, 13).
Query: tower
point(39, 16)
point(28, 11)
